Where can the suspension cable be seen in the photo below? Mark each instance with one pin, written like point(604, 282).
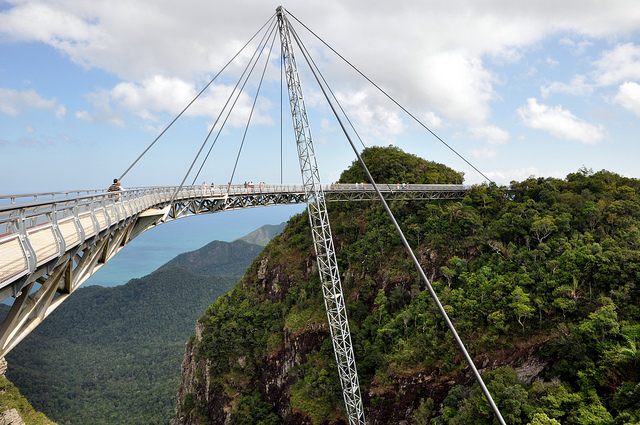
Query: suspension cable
point(331, 91)
point(237, 94)
point(408, 248)
point(255, 99)
point(195, 159)
point(194, 99)
point(393, 100)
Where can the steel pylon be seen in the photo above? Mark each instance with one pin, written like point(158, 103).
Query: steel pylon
point(322, 239)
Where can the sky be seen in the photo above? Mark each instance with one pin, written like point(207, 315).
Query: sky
point(517, 89)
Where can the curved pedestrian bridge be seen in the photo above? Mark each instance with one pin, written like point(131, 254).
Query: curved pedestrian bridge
point(58, 240)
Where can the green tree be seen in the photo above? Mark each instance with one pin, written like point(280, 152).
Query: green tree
point(543, 227)
point(521, 305)
point(543, 419)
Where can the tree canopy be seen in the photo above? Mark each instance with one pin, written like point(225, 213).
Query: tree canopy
point(548, 264)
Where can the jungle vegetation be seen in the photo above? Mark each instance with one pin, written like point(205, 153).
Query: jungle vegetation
point(545, 261)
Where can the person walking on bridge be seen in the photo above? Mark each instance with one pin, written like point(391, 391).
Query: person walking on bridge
point(115, 187)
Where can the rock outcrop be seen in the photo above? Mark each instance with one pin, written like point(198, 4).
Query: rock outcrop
point(198, 403)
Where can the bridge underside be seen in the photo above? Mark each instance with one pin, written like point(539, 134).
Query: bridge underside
point(50, 249)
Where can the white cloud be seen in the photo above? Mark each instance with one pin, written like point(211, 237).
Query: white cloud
point(12, 102)
point(160, 94)
point(578, 48)
point(515, 174)
point(60, 111)
point(551, 62)
point(578, 86)
point(459, 86)
point(484, 153)
point(369, 117)
point(629, 97)
point(618, 65)
point(490, 133)
point(436, 62)
point(103, 112)
point(432, 120)
point(559, 123)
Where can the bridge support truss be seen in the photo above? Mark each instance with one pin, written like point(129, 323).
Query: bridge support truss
point(322, 239)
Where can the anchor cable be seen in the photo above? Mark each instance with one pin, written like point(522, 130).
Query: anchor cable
point(237, 94)
point(408, 248)
point(394, 101)
point(195, 98)
point(330, 91)
point(254, 102)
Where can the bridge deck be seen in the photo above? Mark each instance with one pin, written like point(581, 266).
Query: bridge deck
point(36, 229)
point(58, 240)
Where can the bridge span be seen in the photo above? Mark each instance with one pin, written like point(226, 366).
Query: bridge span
point(58, 240)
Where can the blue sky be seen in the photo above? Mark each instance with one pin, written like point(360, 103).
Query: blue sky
point(541, 88)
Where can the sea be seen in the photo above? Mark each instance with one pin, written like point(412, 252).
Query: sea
point(147, 252)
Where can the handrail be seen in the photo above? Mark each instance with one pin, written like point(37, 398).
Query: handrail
point(46, 232)
point(47, 199)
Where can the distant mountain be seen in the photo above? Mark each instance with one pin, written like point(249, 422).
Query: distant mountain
point(263, 235)
point(112, 355)
point(219, 258)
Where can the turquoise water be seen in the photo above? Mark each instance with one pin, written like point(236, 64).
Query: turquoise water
point(155, 247)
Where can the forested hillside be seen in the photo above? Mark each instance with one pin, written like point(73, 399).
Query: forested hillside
point(112, 355)
point(539, 278)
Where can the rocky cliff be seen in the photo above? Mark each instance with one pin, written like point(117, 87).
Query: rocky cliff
point(14, 408)
point(201, 402)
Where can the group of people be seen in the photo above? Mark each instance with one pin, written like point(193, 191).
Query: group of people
point(250, 185)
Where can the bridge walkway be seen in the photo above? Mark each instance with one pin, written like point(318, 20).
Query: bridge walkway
point(58, 240)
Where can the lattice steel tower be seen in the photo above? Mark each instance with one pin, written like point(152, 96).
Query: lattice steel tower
point(322, 240)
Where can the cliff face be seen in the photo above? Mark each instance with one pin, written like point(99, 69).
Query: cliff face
point(14, 408)
point(200, 402)
point(539, 281)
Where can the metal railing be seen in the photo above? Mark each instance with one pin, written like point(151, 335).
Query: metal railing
point(37, 228)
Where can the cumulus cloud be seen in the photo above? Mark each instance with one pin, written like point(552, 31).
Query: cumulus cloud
point(12, 102)
point(459, 86)
point(432, 120)
point(515, 174)
point(618, 65)
point(491, 134)
point(578, 86)
point(629, 97)
point(578, 48)
point(436, 62)
point(158, 94)
point(551, 62)
point(369, 117)
point(559, 123)
point(484, 153)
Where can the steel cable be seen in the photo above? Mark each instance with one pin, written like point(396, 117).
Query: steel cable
point(237, 93)
point(195, 98)
point(408, 248)
point(265, 37)
point(393, 100)
point(254, 103)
